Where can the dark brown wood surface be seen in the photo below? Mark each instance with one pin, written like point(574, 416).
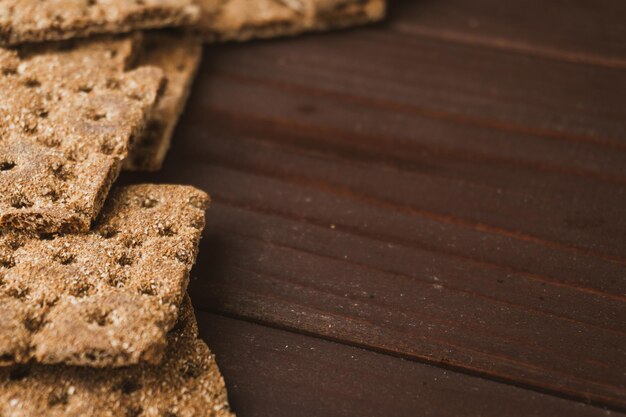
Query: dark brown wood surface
point(277, 373)
point(423, 217)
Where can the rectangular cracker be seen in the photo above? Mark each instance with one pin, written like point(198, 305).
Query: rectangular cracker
point(240, 20)
point(37, 20)
point(107, 297)
point(187, 384)
point(68, 112)
point(179, 58)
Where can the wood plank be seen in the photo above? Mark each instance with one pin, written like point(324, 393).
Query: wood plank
point(360, 130)
point(523, 209)
point(559, 203)
point(245, 228)
point(473, 85)
point(576, 31)
point(275, 373)
point(426, 314)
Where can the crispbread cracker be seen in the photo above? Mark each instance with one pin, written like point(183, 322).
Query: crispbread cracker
point(239, 20)
point(68, 113)
point(187, 384)
point(178, 57)
point(37, 20)
point(107, 297)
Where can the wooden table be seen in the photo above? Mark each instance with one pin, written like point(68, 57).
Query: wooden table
point(426, 217)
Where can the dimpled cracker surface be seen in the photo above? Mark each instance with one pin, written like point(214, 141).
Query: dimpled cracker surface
point(39, 20)
point(187, 384)
point(225, 20)
point(107, 297)
point(178, 57)
point(68, 113)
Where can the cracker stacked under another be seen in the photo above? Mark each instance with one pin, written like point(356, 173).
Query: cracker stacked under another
point(94, 315)
point(107, 297)
point(98, 323)
point(187, 384)
point(179, 58)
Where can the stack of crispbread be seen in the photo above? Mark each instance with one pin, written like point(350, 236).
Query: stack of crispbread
point(94, 315)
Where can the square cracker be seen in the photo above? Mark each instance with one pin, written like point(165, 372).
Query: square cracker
point(107, 297)
point(37, 20)
point(239, 20)
point(187, 384)
point(68, 113)
point(178, 57)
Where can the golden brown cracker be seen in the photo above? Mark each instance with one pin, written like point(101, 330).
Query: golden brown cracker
point(187, 384)
point(37, 20)
point(239, 20)
point(178, 57)
point(68, 114)
point(106, 297)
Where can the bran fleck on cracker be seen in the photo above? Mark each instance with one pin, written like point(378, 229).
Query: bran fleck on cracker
point(107, 297)
point(187, 384)
point(36, 20)
point(68, 114)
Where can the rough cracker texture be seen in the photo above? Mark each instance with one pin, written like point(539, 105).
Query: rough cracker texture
point(178, 57)
point(68, 113)
point(39, 20)
point(108, 297)
point(187, 384)
point(239, 20)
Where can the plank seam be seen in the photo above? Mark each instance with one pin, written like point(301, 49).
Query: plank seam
point(535, 277)
point(570, 396)
point(426, 282)
point(334, 189)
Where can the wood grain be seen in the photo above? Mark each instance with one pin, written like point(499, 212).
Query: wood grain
point(472, 85)
point(300, 255)
point(423, 191)
point(368, 191)
point(316, 120)
point(275, 373)
point(558, 199)
point(575, 31)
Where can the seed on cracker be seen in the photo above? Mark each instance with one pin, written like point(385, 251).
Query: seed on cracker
point(107, 297)
point(36, 20)
point(188, 383)
point(68, 114)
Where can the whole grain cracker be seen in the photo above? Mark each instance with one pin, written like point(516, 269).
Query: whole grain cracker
point(240, 20)
point(178, 57)
point(187, 384)
point(107, 297)
point(68, 113)
point(37, 20)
